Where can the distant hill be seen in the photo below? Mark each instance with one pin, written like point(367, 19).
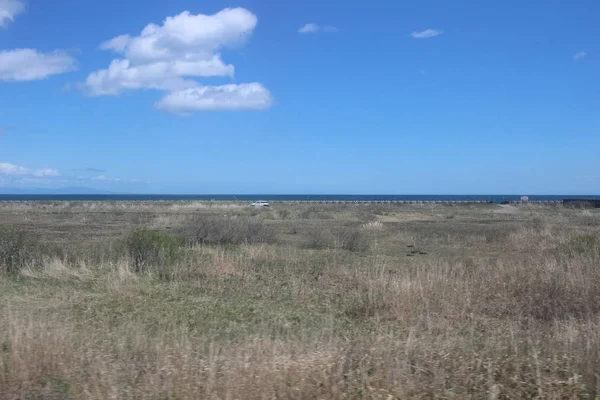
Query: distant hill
point(65, 190)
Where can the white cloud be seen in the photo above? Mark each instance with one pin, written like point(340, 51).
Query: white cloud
point(426, 34)
point(163, 75)
point(12, 170)
point(187, 36)
point(309, 28)
point(579, 55)
point(29, 64)
point(105, 178)
point(9, 9)
point(118, 44)
point(14, 174)
point(171, 56)
point(314, 28)
point(46, 172)
point(108, 179)
point(247, 96)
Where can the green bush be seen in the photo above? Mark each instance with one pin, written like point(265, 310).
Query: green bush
point(18, 249)
point(153, 249)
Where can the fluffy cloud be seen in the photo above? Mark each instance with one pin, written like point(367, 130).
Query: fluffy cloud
point(9, 9)
point(248, 96)
point(171, 56)
point(12, 170)
point(187, 36)
point(426, 34)
point(162, 75)
point(29, 64)
point(579, 55)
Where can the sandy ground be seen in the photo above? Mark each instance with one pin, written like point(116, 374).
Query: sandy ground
point(507, 209)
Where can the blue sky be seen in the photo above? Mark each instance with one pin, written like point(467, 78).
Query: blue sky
point(427, 97)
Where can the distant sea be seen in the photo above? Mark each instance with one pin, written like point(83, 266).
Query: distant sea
point(280, 197)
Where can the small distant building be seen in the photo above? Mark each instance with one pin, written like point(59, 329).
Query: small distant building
point(581, 203)
point(524, 199)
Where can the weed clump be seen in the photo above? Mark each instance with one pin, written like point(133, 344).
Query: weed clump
point(226, 231)
point(149, 249)
point(320, 239)
point(350, 240)
point(581, 243)
point(18, 249)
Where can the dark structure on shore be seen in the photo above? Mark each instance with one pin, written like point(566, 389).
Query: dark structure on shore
point(582, 203)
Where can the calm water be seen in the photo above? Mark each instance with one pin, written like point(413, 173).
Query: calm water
point(274, 197)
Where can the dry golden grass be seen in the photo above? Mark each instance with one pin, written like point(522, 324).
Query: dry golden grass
point(473, 306)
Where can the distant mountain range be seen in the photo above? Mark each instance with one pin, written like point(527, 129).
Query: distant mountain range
point(65, 190)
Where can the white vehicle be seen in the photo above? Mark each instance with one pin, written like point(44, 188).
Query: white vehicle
point(260, 204)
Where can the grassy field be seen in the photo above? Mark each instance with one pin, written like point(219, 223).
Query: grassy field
point(189, 300)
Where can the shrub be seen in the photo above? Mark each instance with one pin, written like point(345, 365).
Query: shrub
point(148, 248)
point(283, 214)
point(320, 239)
point(352, 241)
point(224, 231)
point(18, 249)
point(306, 214)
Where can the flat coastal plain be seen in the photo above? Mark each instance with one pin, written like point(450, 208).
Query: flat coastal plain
point(220, 300)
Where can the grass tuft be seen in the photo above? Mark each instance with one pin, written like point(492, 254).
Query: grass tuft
point(149, 249)
point(18, 249)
